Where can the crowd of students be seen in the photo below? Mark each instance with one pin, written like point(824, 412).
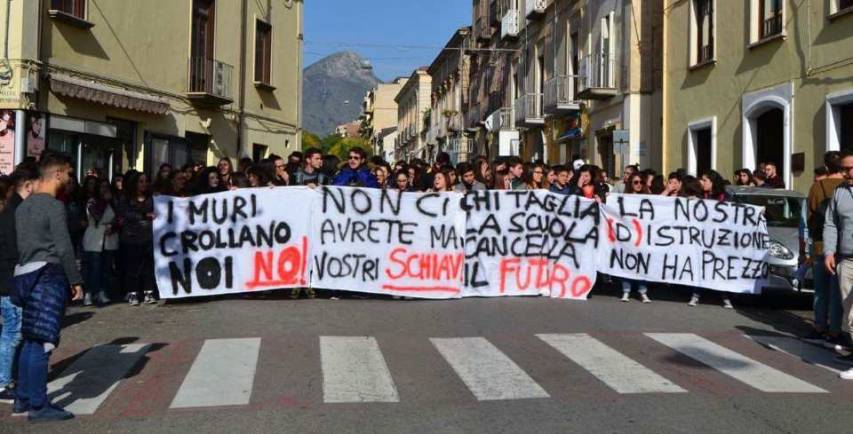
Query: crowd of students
point(110, 220)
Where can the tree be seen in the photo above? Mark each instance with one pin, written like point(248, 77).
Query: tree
point(310, 140)
point(342, 147)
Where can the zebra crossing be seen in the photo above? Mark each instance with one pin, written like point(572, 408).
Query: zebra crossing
point(354, 369)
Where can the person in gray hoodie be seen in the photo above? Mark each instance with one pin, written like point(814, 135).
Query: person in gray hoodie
point(838, 245)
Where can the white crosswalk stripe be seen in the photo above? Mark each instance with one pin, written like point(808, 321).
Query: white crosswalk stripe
point(86, 383)
point(354, 370)
point(616, 370)
point(488, 373)
point(733, 364)
point(222, 374)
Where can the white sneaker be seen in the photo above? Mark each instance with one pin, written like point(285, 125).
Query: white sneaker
point(846, 375)
point(625, 297)
point(693, 301)
point(149, 298)
point(645, 298)
point(727, 304)
point(103, 299)
point(87, 299)
point(132, 299)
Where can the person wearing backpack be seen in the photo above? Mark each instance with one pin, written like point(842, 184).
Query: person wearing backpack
point(838, 247)
point(827, 298)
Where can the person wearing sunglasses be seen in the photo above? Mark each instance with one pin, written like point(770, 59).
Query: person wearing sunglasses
point(356, 173)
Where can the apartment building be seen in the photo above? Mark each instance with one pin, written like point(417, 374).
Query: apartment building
point(379, 117)
point(489, 120)
point(566, 76)
point(121, 85)
point(757, 81)
point(413, 116)
point(449, 97)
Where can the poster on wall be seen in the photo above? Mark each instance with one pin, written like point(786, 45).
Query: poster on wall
point(36, 134)
point(7, 141)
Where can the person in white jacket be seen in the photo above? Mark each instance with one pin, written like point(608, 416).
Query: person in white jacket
point(100, 244)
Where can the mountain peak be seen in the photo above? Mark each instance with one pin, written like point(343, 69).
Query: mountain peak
point(334, 88)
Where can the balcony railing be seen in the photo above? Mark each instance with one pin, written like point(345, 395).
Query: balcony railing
point(528, 110)
point(210, 81)
point(772, 26)
point(536, 8)
point(598, 77)
point(510, 26)
point(506, 119)
point(560, 94)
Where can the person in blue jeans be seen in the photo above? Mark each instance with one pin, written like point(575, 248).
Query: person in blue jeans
point(23, 180)
point(46, 269)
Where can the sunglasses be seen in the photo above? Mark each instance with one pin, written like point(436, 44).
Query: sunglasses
point(354, 157)
point(637, 182)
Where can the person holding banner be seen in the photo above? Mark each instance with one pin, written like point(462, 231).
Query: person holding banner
point(515, 174)
point(713, 188)
point(441, 182)
point(467, 179)
point(561, 184)
point(586, 184)
point(838, 245)
point(635, 185)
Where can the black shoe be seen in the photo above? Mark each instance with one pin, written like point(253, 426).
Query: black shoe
point(49, 413)
point(845, 359)
point(840, 343)
point(20, 408)
point(7, 395)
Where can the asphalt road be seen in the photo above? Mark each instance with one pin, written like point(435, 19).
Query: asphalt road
point(474, 365)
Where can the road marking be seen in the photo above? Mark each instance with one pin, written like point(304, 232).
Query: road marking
point(806, 352)
point(222, 374)
point(488, 373)
point(86, 384)
point(355, 371)
point(735, 365)
point(616, 370)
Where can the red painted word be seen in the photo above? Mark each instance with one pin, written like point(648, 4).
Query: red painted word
point(287, 267)
point(618, 231)
point(540, 273)
point(429, 267)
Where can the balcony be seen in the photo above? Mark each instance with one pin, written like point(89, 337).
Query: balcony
point(510, 25)
point(560, 95)
point(598, 77)
point(210, 82)
point(528, 110)
point(536, 8)
point(506, 119)
point(484, 29)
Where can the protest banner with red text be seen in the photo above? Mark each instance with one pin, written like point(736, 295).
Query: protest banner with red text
point(232, 242)
point(684, 241)
point(530, 242)
point(387, 242)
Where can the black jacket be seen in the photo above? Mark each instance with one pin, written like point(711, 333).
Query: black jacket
point(8, 244)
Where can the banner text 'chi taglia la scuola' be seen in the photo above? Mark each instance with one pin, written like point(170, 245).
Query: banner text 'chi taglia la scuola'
point(449, 245)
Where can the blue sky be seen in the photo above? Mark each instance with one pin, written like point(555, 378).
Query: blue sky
point(376, 29)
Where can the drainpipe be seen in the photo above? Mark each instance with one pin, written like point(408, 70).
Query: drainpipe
point(664, 94)
point(242, 105)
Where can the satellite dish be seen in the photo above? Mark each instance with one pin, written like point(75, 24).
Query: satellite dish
point(365, 64)
point(346, 101)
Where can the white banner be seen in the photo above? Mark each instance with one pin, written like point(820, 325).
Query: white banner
point(385, 242)
point(232, 242)
point(449, 245)
point(530, 242)
point(693, 242)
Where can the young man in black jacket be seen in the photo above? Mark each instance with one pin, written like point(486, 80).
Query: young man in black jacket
point(23, 180)
point(46, 269)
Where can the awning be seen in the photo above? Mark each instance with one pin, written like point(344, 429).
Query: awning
point(105, 94)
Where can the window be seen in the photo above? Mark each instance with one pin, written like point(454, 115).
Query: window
point(263, 52)
point(840, 7)
point(75, 8)
point(703, 25)
point(769, 18)
point(701, 145)
point(605, 66)
point(259, 152)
